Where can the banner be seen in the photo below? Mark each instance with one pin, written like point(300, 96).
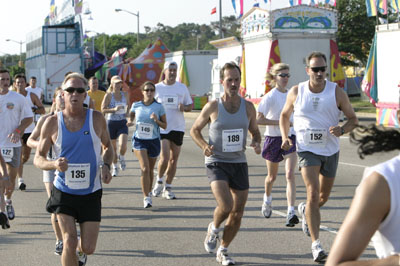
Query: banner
point(337, 73)
point(274, 57)
point(242, 89)
point(370, 84)
point(183, 73)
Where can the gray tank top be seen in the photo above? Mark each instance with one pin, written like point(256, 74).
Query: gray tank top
point(228, 134)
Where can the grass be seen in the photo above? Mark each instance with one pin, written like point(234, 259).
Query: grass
point(362, 105)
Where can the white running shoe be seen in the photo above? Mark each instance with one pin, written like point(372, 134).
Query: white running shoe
point(10, 210)
point(21, 184)
point(302, 211)
point(82, 258)
point(223, 258)
point(122, 163)
point(210, 243)
point(157, 189)
point(114, 171)
point(168, 194)
point(319, 255)
point(266, 209)
point(59, 247)
point(147, 202)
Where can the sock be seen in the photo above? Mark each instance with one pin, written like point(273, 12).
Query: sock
point(160, 179)
point(168, 185)
point(121, 157)
point(316, 242)
point(290, 209)
point(214, 229)
point(267, 199)
point(224, 249)
point(20, 180)
point(114, 165)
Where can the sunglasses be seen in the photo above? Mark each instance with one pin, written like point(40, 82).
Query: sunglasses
point(284, 75)
point(318, 69)
point(147, 90)
point(72, 90)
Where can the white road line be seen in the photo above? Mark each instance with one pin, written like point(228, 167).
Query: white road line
point(352, 164)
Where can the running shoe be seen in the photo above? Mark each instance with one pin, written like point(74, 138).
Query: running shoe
point(157, 189)
point(266, 209)
point(59, 247)
point(122, 163)
point(302, 211)
point(114, 171)
point(291, 219)
point(5, 224)
point(223, 258)
point(210, 243)
point(168, 194)
point(82, 258)
point(319, 255)
point(10, 210)
point(21, 184)
point(147, 202)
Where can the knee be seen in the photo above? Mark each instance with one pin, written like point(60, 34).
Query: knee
point(145, 171)
point(313, 196)
point(24, 158)
point(290, 176)
point(226, 209)
point(70, 242)
point(323, 199)
point(271, 178)
point(88, 248)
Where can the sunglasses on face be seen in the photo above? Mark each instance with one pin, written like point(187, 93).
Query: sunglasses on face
point(318, 69)
point(147, 90)
point(72, 90)
point(284, 75)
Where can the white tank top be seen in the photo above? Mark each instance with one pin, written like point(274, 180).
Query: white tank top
point(31, 127)
point(313, 114)
point(387, 238)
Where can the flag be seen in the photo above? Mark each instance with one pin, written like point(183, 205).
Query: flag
point(291, 2)
point(395, 5)
point(47, 20)
point(242, 89)
point(371, 7)
point(78, 6)
point(383, 6)
point(370, 84)
point(52, 9)
point(299, 2)
point(214, 10)
point(337, 73)
point(274, 57)
point(241, 8)
point(312, 3)
point(256, 5)
point(183, 73)
point(234, 5)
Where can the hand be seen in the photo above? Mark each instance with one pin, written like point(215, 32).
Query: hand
point(154, 117)
point(61, 164)
point(118, 107)
point(208, 150)
point(287, 144)
point(181, 107)
point(129, 123)
point(14, 137)
point(105, 174)
point(336, 131)
point(256, 147)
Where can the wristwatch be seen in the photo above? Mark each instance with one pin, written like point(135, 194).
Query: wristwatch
point(341, 131)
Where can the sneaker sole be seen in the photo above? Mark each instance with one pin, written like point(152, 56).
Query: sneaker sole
point(321, 257)
point(22, 187)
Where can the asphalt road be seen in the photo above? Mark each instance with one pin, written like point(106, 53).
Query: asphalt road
point(173, 231)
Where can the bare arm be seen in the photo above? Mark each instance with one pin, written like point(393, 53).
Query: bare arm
point(370, 206)
point(33, 140)
point(253, 127)
point(40, 108)
point(262, 120)
point(131, 119)
point(91, 104)
point(105, 103)
point(162, 122)
point(344, 104)
point(284, 121)
point(200, 123)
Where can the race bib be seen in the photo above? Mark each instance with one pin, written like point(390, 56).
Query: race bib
point(145, 130)
point(7, 154)
point(170, 102)
point(78, 175)
point(122, 110)
point(315, 137)
point(232, 140)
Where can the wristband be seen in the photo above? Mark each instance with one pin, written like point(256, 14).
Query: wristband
point(18, 131)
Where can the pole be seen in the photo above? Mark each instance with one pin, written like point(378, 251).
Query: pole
point(137, 39)
point(104, 45)
point(20, 51)
point(221, 34)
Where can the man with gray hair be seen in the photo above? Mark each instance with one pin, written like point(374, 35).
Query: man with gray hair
point(77, 135)
point(175, 98)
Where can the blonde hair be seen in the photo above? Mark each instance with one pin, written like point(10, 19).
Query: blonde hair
point(274, 71)
point(115, 79)
point(74, 75)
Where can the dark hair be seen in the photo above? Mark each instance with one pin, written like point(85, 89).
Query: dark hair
point(20, 76)
point(147, 83)
point(4, 71)
point(33, 77)
point(92, 77)
point(315, 55)
point(229, 65)
point(371, 139)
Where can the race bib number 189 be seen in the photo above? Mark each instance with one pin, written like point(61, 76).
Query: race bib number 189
point(232, 140)
point(78, 175)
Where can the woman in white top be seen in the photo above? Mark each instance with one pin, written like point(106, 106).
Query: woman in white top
point(268, 114)
point(375, 210)
point(115, 107)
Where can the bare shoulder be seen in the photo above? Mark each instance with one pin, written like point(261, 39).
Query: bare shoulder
point(250, 108)
point(97, 117)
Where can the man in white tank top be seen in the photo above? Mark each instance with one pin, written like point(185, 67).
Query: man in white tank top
point(316, 104)
point(227, 172)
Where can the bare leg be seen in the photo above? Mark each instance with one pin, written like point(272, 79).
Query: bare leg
point(70, 240)
point(175, 150)
point(164, 157)
point(290, 165)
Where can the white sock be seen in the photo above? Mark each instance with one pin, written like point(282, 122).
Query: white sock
point(214, 229)
point(316, 242)
point(267, 199)
point(160, 179)
point(290, 209)
point(223, 248)
point(114, 165)
point(121, 157)
point(20, 179)
point(168, 185)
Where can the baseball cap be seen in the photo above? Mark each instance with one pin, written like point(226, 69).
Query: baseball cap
point(116, 79)
point(169, 64)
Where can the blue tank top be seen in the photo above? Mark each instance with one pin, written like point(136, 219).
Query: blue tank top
point(120, 114)
point(228, 134)
point(146, 128)
point(82, 150)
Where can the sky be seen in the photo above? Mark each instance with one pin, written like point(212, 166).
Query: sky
point(19, 17)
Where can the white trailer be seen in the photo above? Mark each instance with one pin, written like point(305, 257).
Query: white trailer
point(388, 78)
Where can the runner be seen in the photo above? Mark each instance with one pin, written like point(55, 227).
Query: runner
point(268, 114)
point(229, 119)
point(316, 104)
point(4, 183)
point(48, 175)
point(15, 116)
point(149, 116)
point(375, 210)
point(77, 135)
point(114, 106)
point(175, 98)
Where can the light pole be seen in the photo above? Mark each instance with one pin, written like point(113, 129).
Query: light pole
point(137, 15)
point(104, 41)
point(20, 47)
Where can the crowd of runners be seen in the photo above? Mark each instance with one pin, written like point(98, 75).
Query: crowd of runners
point(81, 144)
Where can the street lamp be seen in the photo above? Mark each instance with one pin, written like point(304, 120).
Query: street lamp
point(137, 15)
point(104, 41)
point(20, 47)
